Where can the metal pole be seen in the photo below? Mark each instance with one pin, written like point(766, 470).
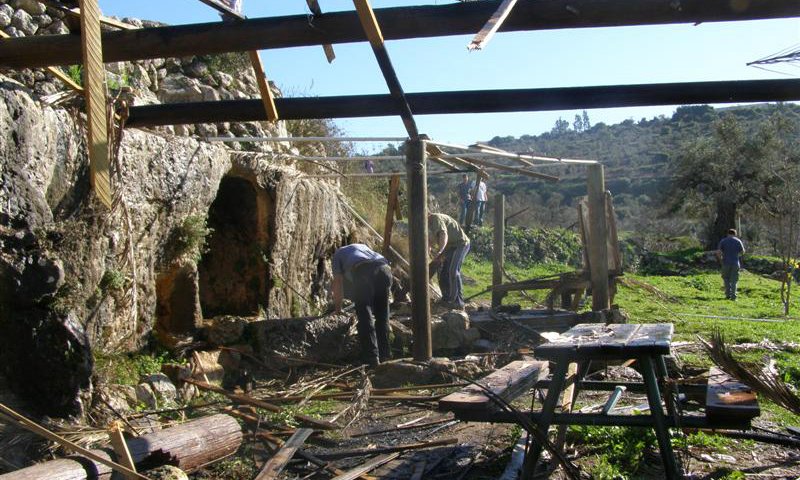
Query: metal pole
point(498, 248)
point(598, 234)
point(416, 176)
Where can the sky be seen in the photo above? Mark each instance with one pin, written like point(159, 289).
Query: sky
point(553, 58)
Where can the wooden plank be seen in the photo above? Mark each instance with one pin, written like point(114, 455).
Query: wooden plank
point(267, 99)
point(367, 467)
point(614, 255)
point(616, 341)
point(373, 32)
point(391, 207)
point(498, 248)
point(94, 79)
point(273, 468)
point(313, 5)
point(338, 454)
point(508, 383)
point(121, 450)
point(727, 398)
point(598, 237)
point(472, 101)
point(492, 25)
point(567, 402)
point(224, 10)
point(398, 23)
point(25, 423)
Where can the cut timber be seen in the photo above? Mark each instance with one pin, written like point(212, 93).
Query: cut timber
point(471, 101)
point(188, 446)
point(95, 94)
point(491, 27)
point(121, 450)
point(507, 383)
point(398, 23)
point(313, 5)
point(728, 399)
point(367, 467)
point(275, 465)
point(316, 423)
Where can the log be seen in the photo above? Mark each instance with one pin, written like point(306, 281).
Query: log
point(397, 23)
point(187, 446)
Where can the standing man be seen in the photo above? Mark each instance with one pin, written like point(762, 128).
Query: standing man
point(464, 198)
point(449, 246)
point(364, 277)
point(729, 251)
point(480, 206)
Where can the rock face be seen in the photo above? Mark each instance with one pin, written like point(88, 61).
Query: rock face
point(77, 278)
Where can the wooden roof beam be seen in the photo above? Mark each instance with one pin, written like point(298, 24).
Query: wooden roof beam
point(474, 101)
point(398, 23)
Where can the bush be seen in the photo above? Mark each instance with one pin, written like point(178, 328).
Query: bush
point(528, 246)
point(190, 237)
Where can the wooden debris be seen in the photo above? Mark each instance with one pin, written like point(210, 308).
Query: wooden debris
point(273, 468)
point(121, 450)
point(726, 398)
point(313, 5)
point(369, 466)
point(403, 427)
point(506, 383)
point(397, 448)
point(491, 27)
point(316, 423)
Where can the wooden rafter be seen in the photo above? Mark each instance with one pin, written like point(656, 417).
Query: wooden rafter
point(474, 101)
point(397, 23)
point(267, 99)
point(95, 93)
point(313, 5)
point(491, 27)
point(373, 31)
point(57, 72)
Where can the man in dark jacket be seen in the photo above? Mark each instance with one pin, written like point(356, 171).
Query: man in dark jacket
point(364, 277)
point(729, 250)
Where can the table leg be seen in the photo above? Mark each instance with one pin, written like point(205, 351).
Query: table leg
point(657, 412)
point(548, 410)
point(670, 394)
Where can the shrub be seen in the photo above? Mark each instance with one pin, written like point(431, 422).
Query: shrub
point(190, 237)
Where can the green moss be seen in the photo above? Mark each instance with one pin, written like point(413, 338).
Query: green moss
point(112, 279)
point(127, 369)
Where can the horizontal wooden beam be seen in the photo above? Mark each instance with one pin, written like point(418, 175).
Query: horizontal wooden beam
point(474, 101)
point(398, 23)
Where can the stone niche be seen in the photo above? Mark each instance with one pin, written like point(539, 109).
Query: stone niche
point(234, 269)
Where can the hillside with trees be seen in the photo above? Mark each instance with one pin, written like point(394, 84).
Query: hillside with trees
point(647, 161)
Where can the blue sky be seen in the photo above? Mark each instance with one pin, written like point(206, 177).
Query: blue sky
point(570, 57)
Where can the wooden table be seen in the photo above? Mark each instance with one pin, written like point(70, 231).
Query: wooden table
point(647, 343)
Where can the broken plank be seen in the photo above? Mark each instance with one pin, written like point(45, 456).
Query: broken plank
point(263, 86)
point(95, 94)
point(316, 423)
point(507, 383)
point(727, 398)
point(278, 462)
point(492, 25)
point(121, 450)
point(313, 5)
point(367, 467)
point(397, 448)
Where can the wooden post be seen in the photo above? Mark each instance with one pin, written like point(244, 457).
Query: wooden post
point(121, 449)
point(498, 247)
point(416, 178)
point(391, 209)
point(598, 233)
point(95, 93)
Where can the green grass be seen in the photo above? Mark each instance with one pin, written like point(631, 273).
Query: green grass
point(478, 277)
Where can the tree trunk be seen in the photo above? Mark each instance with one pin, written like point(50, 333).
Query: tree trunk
point(188, 446)
point(724, 219)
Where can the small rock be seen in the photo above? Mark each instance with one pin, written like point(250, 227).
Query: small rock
point(7, 10)
point(13, 32)
point(161, 386)
point(23, 22)
point(146, 395)
point(725, 458)
point(32, 7)
point(167, 472)
point(224, 329)
point(5, 20)
point(43, 21)
point(58, 28)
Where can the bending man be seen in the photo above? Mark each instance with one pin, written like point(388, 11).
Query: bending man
point(364, 277)
point(449, 246)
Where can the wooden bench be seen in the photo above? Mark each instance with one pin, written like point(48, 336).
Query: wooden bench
point(507, 383)
point(729, 400)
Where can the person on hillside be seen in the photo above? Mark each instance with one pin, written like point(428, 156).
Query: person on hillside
point(449, 246)
point(464, 191)
point(369, 166)
point(480, 203)
point(729, 251)
point(364, 276)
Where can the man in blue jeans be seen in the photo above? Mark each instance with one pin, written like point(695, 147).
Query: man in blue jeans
point(365, 277)
point(464, 191)
point(729, 251)
point(449, 246)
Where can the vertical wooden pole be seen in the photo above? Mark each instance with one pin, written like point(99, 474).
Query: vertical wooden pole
point(498, 247)
point(391, 208)
point(598, 234)
point(94, 81)
point(416, 177)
